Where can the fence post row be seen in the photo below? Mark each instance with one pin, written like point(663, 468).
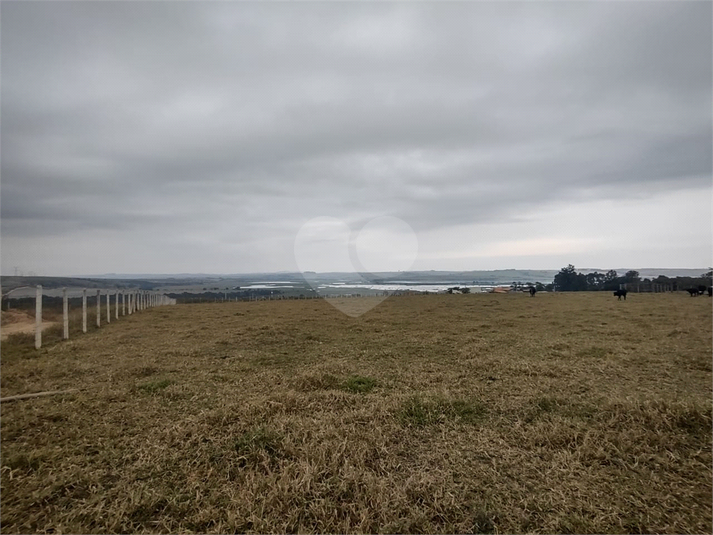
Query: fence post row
point(65, 314)
point(137, 300)
point(84, 310)
point(38, 317)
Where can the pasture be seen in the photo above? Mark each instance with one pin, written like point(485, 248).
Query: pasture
point(476, 413)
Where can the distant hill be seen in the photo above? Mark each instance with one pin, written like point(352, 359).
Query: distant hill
point(51, 283)
point(166, 281)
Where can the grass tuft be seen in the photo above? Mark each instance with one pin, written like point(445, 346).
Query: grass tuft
point(359, 384)
point(314, 382)
point(25, 462)
point(154, 386)
point(483, 523)
point(258, 445)
point(418, 412)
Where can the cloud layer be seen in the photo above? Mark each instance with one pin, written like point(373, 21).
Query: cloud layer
point(176, 136)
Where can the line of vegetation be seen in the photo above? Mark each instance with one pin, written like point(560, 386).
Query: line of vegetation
point(569, 280)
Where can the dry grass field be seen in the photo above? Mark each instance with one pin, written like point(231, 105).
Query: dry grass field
point(570, 413)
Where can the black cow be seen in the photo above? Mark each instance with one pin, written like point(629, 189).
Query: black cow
point(701, 289)
point(710, 291)
point(533, 291)
point(693, 292)
point(620, 294)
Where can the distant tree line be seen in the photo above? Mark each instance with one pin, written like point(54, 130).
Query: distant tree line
point(244, 295)
point(569, 280)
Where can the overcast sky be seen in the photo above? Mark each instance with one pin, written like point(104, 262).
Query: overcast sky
point(228, 137)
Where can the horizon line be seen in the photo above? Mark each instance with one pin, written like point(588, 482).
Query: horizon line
point(297, 272)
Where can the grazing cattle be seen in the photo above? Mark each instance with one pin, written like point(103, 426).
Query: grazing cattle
point(533, 291)
point(701, 289)
point(620, 294)
point(693, 292)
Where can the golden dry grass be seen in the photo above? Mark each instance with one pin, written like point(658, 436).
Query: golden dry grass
point(457, 413)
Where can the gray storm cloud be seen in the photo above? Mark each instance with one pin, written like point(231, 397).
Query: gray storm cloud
point(161, 122)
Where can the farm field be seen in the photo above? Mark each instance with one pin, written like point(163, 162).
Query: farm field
point(481, 413)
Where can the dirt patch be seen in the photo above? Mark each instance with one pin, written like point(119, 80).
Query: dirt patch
point(17, 321)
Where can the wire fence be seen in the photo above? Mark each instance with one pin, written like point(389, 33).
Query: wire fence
point(108, 303)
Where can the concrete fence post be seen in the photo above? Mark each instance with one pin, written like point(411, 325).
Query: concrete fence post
point(38, 317)
point(128, 296)
point(117, 305)
point(123, 303)
point(108, 306)
point(84, 310)
point(65, 314)
point(99, 308)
